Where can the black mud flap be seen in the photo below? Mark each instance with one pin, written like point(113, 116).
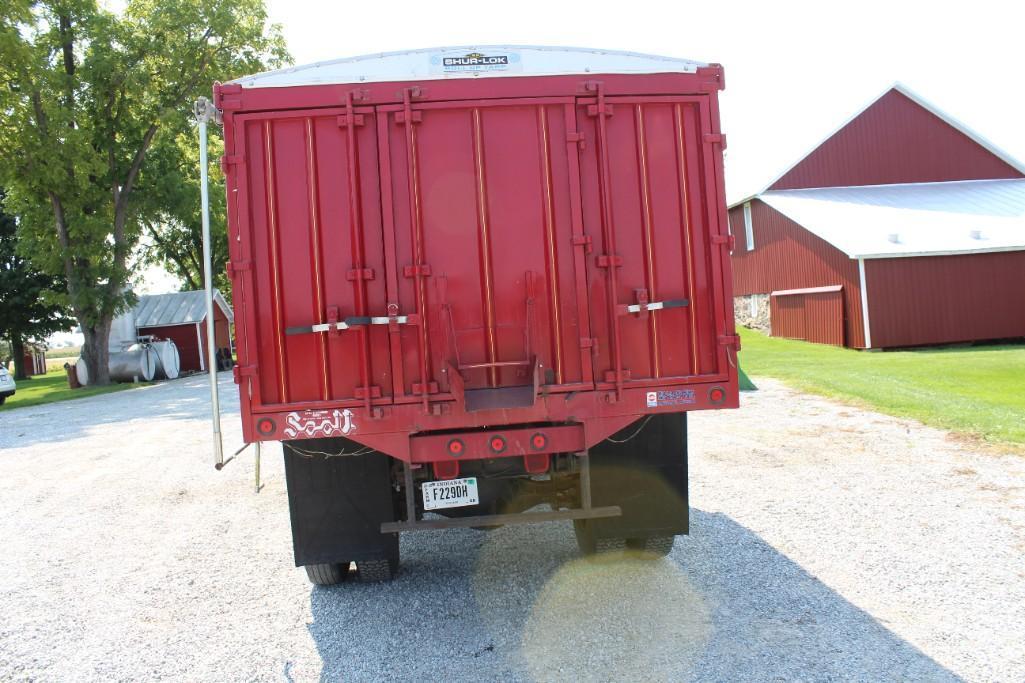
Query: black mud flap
point(338, 503)
point(643, 469)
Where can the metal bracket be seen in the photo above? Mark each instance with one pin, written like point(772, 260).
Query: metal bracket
point(360, 274)
point(601, 107)
point(584, 241)
point(345, 120)
point(240, 371)
point(715, 139)
point(233, 268)
point(730, 340)
point(375, 392)
point(432, 387)
point(612, 378)
point(421, 270)
point(223, 100)
point(229, 160)
point(728, 240)
point(415, 116)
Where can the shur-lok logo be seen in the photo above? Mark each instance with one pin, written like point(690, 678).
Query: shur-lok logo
point(476, 60)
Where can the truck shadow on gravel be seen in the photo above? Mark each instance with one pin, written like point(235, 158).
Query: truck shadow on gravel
point(519, 603)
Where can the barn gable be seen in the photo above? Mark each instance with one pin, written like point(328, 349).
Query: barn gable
point(899, 138)
point(902, 228)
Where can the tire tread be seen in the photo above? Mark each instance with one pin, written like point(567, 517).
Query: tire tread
point(327, 574)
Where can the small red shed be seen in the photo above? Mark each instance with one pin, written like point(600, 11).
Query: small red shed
point(902, 228)
point(35, 360)
point(181, 317)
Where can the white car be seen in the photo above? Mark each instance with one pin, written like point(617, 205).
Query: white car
point(7, 385)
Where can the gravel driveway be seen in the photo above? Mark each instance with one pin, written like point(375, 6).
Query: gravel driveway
point(827, 543)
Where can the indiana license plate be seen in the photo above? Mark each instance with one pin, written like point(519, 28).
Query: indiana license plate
point(454, 493)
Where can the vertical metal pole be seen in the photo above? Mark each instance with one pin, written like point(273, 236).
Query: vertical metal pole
point(407, 473)
point(585, 480)
point(256, 455)
point(204, 112)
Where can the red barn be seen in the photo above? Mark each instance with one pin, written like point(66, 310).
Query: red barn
point(181, 317)
point(902, 228)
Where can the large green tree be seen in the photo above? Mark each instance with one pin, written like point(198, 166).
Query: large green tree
point(172, 224)
point(30, 308)
point(87, 94)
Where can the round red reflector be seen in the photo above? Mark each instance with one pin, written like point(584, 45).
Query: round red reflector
point(265, 426)
point(716, 395)
point(497, 444)
point(456, 447)
point(538, 442)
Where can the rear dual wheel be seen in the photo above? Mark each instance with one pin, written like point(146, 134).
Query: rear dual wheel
point(367, 571)
point(590, 544)
point(327, 574)
point(656, 546)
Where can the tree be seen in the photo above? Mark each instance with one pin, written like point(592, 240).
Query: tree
point(173, 222)
point(87, 93)
point(30, 308)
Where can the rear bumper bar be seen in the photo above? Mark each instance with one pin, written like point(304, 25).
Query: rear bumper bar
point(501, 520)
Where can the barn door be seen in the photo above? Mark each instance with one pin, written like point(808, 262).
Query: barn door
point(482, 204)
point(310, 198)
point(814, 314)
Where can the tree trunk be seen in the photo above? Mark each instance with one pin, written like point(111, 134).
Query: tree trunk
point(18, 356)
point(95, 352)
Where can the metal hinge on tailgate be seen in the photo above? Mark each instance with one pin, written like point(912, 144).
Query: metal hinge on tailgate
point(716, 138)
point(233, 268)
point(728, 240)
point(229, 160)
point(730, 340)
point(240, 371)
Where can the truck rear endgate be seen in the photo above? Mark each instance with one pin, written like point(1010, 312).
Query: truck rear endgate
point(507, 263)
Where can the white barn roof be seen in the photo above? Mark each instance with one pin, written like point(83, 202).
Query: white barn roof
point(915, 219)
point(176, 308)
point(470, 61)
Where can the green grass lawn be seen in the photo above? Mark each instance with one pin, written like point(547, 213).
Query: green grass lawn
point(974, 390)
point(53, 386)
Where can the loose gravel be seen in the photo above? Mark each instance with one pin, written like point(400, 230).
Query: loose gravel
point(827, 543)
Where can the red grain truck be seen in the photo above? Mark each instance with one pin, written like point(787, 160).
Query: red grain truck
point(485, 283)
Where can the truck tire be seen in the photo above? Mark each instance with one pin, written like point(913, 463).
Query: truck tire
point(654, 547)
point(376, 571)
point(590, 544)
point(327, 574)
